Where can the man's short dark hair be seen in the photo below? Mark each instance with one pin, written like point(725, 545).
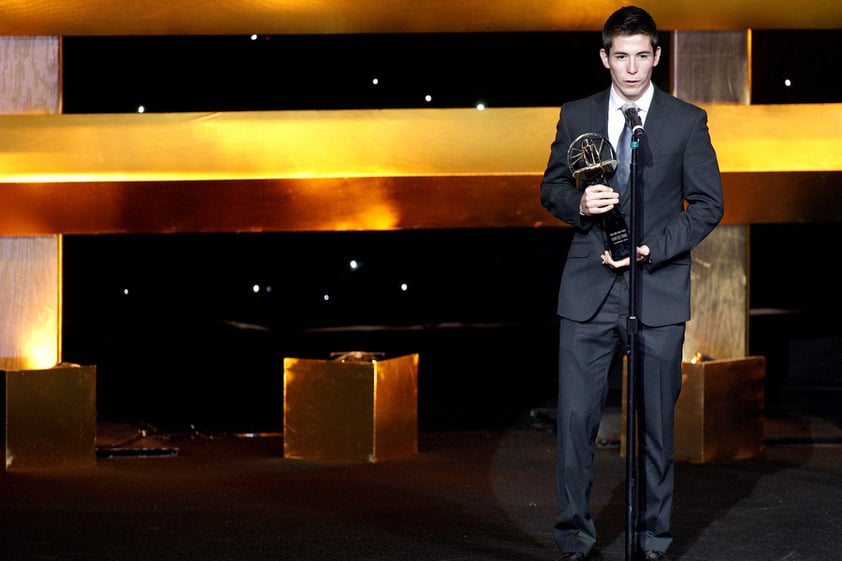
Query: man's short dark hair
point(629, 20)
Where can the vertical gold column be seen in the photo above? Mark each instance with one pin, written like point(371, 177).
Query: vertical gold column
point(719, 415)
point(30, 267)
point(713, 67)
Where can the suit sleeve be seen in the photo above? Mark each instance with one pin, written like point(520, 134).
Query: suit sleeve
point(559, 192)
point(701, 186)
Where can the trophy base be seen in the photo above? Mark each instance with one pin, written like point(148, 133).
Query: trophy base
point(617, 231)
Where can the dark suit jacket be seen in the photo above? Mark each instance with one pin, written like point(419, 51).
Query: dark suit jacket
point(680, 202)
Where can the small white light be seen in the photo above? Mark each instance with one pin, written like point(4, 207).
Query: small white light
point(375, 81)
point(141, 109)
point(480, 106)
point(255, 288)
point(254, 36)
point(404, 287)
point(126, 291)
point(354, 264)
point(326, 297)
point(428, 98)
point(787, 82)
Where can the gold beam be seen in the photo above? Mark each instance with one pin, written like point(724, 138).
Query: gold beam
point(361, 170)
point(361, 203)
point(234, 17)
point(273, 144)
point(369, 143)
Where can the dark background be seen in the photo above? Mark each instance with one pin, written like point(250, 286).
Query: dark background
point(191, 330)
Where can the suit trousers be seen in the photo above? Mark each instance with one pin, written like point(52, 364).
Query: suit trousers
point(587, 352)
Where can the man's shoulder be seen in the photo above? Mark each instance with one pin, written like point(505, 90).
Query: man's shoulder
point(587, 102)
point(667, 100)
point(584, 107)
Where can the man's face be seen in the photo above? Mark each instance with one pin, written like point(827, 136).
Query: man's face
point(630, 64)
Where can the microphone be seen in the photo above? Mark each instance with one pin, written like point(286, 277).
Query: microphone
point(633, 119)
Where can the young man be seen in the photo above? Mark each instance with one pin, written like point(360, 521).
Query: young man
point(680, 202)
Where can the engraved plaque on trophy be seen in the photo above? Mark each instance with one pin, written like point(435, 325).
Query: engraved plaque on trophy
point(592, 160)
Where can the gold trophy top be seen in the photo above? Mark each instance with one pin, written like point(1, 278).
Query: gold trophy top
point(591, 158)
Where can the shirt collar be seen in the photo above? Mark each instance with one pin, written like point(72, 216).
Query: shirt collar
point(615, 102)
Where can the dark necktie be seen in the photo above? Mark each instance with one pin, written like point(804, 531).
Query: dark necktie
point(623, 159)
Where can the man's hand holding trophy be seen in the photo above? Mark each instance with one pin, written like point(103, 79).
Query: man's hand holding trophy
point(593, 161)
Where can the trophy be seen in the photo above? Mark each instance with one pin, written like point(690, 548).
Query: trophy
point(592, 160)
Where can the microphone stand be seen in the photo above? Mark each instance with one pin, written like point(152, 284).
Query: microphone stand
point(632, 350)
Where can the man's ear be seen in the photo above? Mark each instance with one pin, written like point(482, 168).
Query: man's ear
point(604, 56)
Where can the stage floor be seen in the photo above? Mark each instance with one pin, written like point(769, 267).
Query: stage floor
point(479, 495)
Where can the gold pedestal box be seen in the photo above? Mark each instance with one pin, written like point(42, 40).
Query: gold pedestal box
point(720, 413)
point(350, 410)
point(50, 418)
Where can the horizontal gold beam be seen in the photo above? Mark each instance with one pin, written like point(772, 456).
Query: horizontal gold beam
point(365, 170)
point(777, 137)
point(273, 144)
point(369, 143)
point(362, 203)
point(233, 17)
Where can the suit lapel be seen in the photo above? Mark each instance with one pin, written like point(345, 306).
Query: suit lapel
point(656, 120)
point(599, 114)
point(599, 121)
